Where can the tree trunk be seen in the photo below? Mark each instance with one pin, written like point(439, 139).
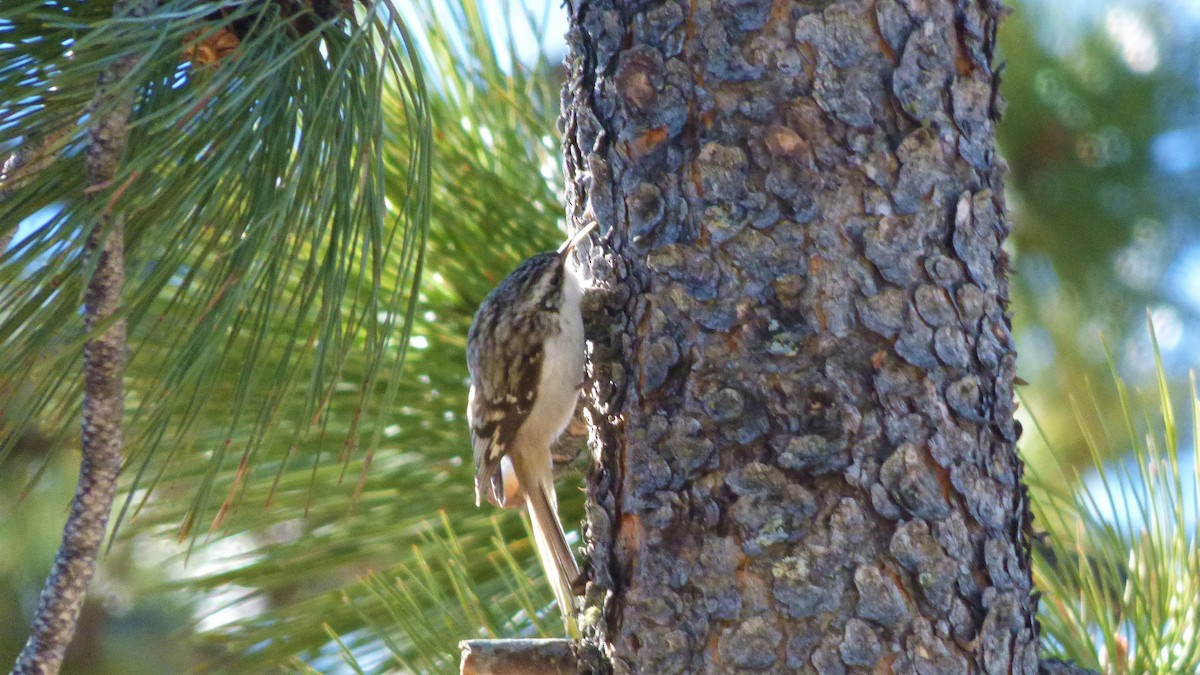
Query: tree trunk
point(804, 361)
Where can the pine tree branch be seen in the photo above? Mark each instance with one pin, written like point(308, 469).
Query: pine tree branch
point(8, 171)
point(103, 370)
point(33, 155)
point(513, 657)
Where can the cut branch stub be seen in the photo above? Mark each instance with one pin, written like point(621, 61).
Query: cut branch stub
point(518, 657)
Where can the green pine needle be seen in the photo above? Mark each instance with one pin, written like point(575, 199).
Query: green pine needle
point(1120, 566)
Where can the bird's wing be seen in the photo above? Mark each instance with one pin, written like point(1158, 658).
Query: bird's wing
point(496, 410)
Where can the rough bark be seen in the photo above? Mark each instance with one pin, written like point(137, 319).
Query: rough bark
point(62, 598)
point(803, 363)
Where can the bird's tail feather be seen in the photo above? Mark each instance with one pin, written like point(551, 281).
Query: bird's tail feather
point(552, 547)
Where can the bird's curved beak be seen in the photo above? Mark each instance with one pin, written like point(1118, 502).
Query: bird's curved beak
point(570, 244)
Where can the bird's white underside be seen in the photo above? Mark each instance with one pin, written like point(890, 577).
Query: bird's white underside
point(558, 389)
point(562, 372)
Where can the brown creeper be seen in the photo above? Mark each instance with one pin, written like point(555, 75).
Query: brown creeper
point(525, 355)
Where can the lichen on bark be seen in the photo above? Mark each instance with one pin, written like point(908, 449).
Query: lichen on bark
point(803, 362)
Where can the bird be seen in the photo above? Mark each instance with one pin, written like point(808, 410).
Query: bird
point(525, 357)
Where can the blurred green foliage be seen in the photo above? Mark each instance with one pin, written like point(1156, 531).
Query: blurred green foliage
point(1098, 220)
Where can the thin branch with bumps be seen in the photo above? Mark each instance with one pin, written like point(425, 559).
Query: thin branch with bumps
point(62, 597)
